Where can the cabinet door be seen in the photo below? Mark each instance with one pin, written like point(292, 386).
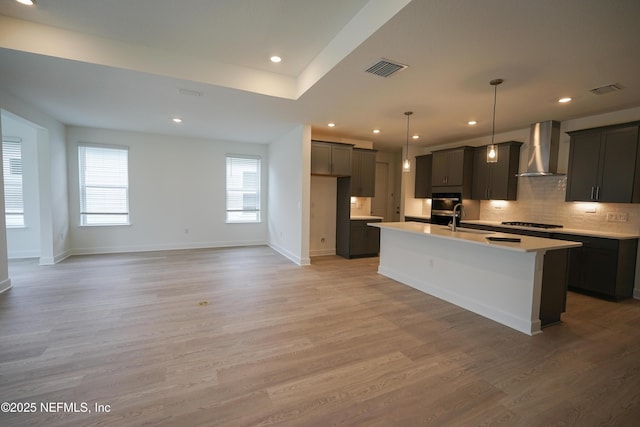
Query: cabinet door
point(503, 182)
point(373, 240)
point(365, 240)
point(618, 165)
point(341, 160)
point(356, 184)
point(481, 174)
point(320, 158)
point(584, 155)
point(359, 238)
point(598, 271)
point(440, 169)
point(367, 173)
point(422, 189)
point(456, 167)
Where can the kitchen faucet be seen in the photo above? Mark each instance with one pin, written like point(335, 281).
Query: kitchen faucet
point(453, 216)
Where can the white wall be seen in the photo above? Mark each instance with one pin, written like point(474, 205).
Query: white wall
point(52, 176)
point(25, 242)
point(289, 194)
point(177, 194)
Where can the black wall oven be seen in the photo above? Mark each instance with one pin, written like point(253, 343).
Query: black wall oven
point(442, 207)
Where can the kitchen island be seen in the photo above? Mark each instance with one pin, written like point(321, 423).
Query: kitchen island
point(500, 280)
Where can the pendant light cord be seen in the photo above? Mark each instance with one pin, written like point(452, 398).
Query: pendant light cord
point(495, 84)
point(493, 129)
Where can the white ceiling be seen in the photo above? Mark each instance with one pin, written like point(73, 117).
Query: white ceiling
point(120, 64)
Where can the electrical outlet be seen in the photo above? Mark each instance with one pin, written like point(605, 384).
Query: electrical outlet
point(617, 216)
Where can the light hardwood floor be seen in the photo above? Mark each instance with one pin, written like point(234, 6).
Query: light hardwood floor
point(333, 343)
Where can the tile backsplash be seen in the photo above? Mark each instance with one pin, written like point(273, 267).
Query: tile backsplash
point(541, 199)
point(360, 206)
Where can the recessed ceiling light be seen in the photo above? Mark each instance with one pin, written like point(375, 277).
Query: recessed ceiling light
point(415, 136)
point(472, 122)
point(376, 131)
point(276, 59)
point(564, 100)
point(27, 2)
point(331, 124)
point(176, 120)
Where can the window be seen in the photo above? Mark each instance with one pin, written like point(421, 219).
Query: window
point(243, 189)
point(12, 171)
point(104, 185)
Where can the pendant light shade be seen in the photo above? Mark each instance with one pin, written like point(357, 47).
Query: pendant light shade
point(492, 149)
point(406, 164)
point(492, 153)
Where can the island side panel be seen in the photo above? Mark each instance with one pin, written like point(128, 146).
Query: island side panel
point(499, 284)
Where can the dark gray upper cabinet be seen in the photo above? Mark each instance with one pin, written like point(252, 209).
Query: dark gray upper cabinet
point(604, 164)
point(452, 171)
point(363, 172)
point(330, 159)
point(496, 181)
point(423, 177)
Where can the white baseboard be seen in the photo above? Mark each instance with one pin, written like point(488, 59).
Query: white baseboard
point(23, 254)
point(322, 252)
point(162, 247)
point(55, 259)
point(5, 285)
point(287, 254)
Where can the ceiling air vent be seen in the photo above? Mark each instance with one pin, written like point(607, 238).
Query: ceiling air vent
point(606, 89)
point(384, 68)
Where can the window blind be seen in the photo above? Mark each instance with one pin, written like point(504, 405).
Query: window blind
point(243, 189)
point(13, 190)
point(104, 185)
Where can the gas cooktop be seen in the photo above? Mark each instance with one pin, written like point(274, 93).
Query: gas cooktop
point(530, 224)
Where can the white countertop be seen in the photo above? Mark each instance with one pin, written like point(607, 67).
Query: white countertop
point(365, 217)
point(478, 237)
point(580, 232)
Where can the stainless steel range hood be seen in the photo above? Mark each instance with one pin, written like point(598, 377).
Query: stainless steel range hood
point(544, 144)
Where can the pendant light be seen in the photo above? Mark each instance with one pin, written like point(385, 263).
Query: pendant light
point(406, 164)
point(492, 150)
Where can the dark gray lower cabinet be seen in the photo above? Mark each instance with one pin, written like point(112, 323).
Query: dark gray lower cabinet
point(354, 238)
point(603, 267)
point(364, 240)
point(553, 299)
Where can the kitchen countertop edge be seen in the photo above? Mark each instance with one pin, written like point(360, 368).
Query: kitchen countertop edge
point(580, 232)
point(527, 243)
